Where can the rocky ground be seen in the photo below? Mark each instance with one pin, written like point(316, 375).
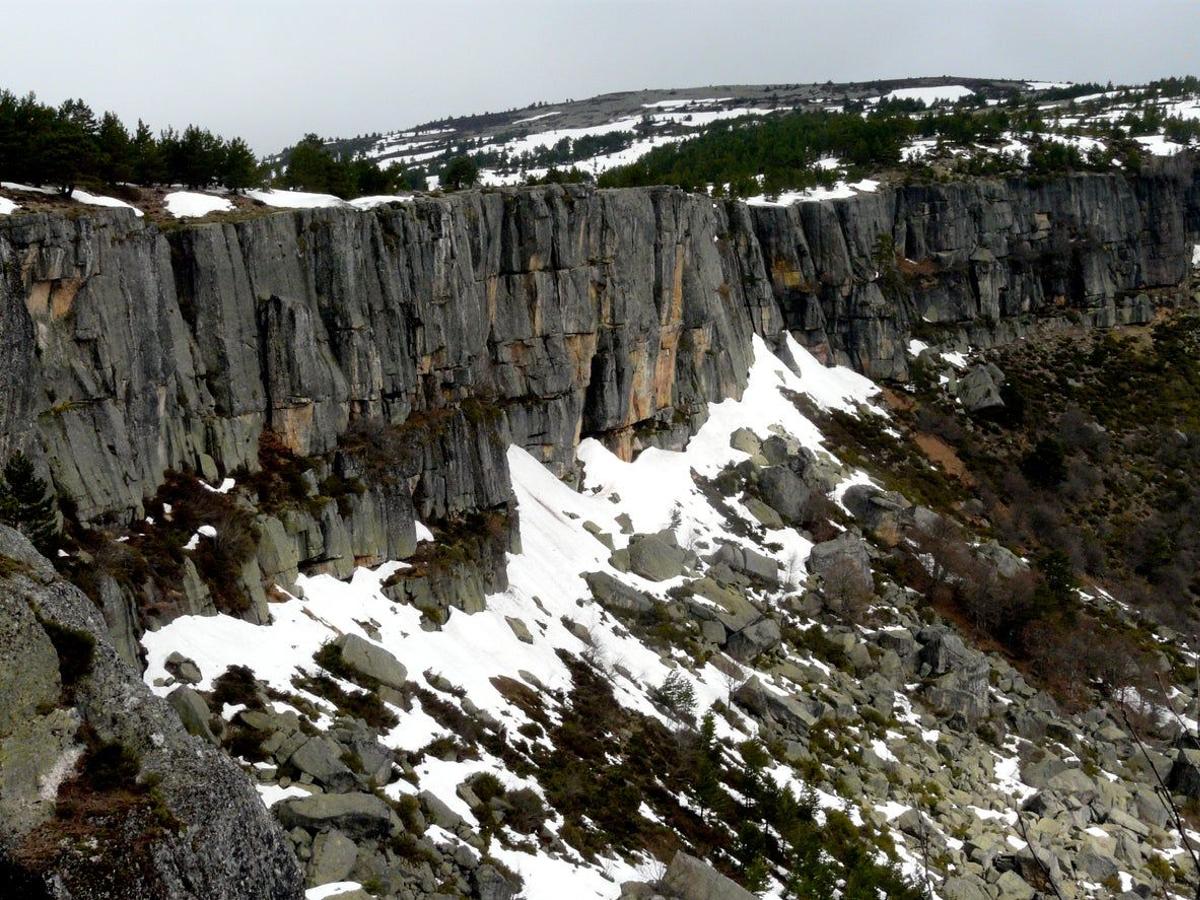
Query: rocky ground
point(413, 757)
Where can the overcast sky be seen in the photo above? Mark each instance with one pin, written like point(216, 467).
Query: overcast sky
point(271, 71)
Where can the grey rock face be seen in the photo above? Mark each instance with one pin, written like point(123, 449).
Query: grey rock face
point(225, 845)
point(994, 258)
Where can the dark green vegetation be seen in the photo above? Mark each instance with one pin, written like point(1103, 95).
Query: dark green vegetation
point(150, 563)
point(69, 146)
point(758, 155)
point(310, 166)
point(27, 505)
point(1091, 471)
point(606, 761)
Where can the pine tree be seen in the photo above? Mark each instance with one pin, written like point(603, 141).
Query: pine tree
point(26, 505)
point(239, 168)
point(115, 150)
point(148, 164)
point(460, 172)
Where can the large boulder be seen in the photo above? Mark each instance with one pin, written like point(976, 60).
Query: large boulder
point(333, 858)
point(371, 661)
point(657, 557)
point(884, 514)
point(616, 596)
point(356, 815)
point(694, 879)
point(321, 758)
point(751, 563)
point(843, 558)
point(786, 712)
point(785, 492)
point(754, 640)
point(979, 388)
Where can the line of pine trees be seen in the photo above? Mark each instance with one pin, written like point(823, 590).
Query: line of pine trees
point(310, 166)
point(69, 146)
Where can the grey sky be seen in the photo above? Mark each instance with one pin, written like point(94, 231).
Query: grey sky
point(271, 70)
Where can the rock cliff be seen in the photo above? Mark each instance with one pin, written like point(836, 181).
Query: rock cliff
point(977, 262)
point(399, 350)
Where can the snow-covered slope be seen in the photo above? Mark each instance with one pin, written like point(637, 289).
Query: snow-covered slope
point(920, 777)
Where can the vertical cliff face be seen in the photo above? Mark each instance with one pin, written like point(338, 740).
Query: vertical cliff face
point(561, 312)
point(616, 314)
point(978, 261)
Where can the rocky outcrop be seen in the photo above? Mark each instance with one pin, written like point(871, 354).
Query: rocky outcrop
point(394, 354)
point(977, 262)
point(566, 311)
point(102, 791)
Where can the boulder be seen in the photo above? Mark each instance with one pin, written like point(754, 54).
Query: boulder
point(520, 629)
point(357, 815)
point(843, 558)
point(182, 668)
point(695, 879)
point(193, 712)
point(617, 597)
point(490, 884)
point(754, 640)
point(787, 712)
point(657, 557)
point(884, 514)
point(748, 562)
point(372, 661)
point(785, 492)
point(333, 858)
point(321, 757)
point(979, 388)
point(964, 887)
point(747, 441)
point(729, 607)
point(438, 812)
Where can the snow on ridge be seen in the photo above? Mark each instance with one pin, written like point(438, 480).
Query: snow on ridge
point(7, 206)
point(697, 101)
point(78, 195)
point(193, 204)
point(840, 191)
point(930, 95)
point(544, 115)
point(284, 199)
